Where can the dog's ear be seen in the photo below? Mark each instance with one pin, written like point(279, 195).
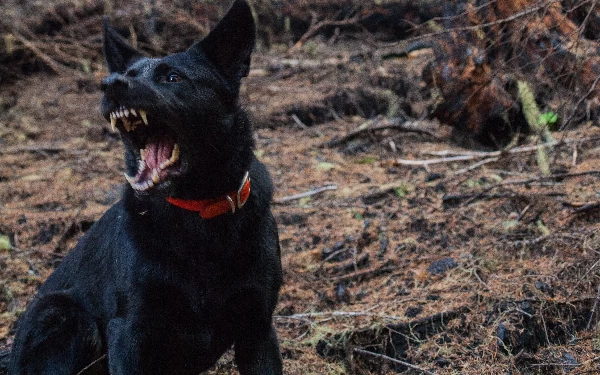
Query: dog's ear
point(117, 52)
point(230, 44)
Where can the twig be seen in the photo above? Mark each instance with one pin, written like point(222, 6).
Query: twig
point(570, 118)
point(528, 181)
point(298, 121)
point(452, 199)
point(516, 150)
point(91, 364)
point(336, 314)
point(317, 27)
point(305, 194)
point(52, 64)
point(476, 165)
point(381, 124)
point(589, 324)
point(435, 161)
point(587, 207)
point(544, 325)
point(451, 156)
point(371, 273)
point(394, 360)
point(481, 281)
point(482, 25)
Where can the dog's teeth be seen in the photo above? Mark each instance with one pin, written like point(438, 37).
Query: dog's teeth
point(143, 115)
point(133, 112)
point(174, 154)
point(126, 112)
point(143, 154)
point(130, 179)
point(155, 176)
point(113, 122)
point(141, 166)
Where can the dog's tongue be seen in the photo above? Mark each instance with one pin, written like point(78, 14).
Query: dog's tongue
point(158, 151)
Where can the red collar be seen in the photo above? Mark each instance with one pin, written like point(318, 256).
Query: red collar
point(209, 208)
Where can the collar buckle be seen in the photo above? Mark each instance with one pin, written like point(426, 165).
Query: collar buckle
point(240, 203)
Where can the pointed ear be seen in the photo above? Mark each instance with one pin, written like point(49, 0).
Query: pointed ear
point(117, 52)
point(230, 44)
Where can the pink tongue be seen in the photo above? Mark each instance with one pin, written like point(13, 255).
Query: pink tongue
point(158, 151)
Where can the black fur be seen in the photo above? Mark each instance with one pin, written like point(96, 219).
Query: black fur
point(156, 288)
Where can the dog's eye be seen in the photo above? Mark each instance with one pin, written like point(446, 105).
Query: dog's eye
point(173, 77)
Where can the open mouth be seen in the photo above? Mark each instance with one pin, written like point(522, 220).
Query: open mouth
point(158, 155)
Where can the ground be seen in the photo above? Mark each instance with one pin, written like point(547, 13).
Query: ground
point(477, 266)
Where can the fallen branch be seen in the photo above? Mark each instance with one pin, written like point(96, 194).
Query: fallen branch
point(305, 194)
point(343, 314)
point(516, 150)
point(587, 208)
point(449, 156)
point(318, 26)
point(381, 123)
point(394, 360)
point(524, 181)
point(50, 62)
point(367, 274)
point(454, 198)
point(435, 161)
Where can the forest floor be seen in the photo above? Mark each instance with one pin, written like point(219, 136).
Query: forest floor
point(474, 266)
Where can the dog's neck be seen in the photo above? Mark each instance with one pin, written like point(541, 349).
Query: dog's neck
point(210, 208)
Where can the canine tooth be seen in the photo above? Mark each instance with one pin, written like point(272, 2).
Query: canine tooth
point(174, 154)
point(130, 179)
point(133, 112)
point(143, 115)
point(113, 122)
point(143, 154)
point(155, 176)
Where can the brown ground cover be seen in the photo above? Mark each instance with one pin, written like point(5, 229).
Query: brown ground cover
point(478, 262)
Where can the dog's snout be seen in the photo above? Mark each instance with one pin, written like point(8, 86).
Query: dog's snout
point(115, 83)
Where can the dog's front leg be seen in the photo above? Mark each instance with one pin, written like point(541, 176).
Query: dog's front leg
point(258, 353)
point(123, 358)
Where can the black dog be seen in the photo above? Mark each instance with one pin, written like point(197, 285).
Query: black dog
point(187, 263)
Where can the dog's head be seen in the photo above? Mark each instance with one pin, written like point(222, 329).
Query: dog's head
point(178, 115)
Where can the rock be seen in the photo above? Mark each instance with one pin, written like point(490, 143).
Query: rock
point(441, 266)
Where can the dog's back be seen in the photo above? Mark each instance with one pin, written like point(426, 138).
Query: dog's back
point(187, 263)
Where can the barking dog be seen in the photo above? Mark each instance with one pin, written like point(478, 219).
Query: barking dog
point(187, 263)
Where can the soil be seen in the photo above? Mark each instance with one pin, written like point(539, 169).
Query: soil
point(480, 266)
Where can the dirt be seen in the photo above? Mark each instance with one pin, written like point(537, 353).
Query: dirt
point(453, 267)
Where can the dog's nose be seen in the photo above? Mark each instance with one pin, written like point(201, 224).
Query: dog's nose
point(115, 83)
